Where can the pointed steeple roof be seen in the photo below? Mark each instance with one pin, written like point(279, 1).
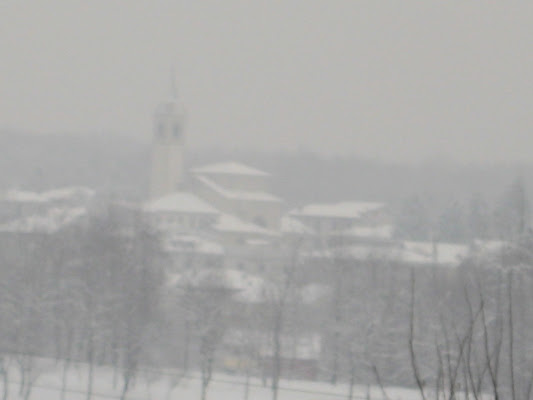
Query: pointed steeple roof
point(173, 104)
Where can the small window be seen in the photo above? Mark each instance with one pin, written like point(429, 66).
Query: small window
point(260, 221)
point(161, 130)
point(176, 131)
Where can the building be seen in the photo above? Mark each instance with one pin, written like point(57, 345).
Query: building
point(227, 205)
point(227, 208)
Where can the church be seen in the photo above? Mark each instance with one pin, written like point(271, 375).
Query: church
point(209, 209)
point(225, 213)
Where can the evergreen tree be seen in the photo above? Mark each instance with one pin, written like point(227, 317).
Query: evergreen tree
point(479, 224)
point(414, 221)
point(451, 224)
point(512, 213)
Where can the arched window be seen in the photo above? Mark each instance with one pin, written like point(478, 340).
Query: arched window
point(260, 221)
point(176, 131)
point(161, 130)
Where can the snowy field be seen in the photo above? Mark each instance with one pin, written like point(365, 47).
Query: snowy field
point(152, 386)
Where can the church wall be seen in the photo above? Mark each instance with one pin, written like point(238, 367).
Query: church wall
point(252, 211)
point(263, 213)
point(167, 166)
point(212, 197)
point(167, 149)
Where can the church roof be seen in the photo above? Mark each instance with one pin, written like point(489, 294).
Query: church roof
point(409, 253)
point(229, 168)
point(383, 232)
point(182, 202)
point(238, 194)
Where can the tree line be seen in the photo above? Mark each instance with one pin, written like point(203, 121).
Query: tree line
point(100, 294)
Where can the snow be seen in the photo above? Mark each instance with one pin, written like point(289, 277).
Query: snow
point(231, 224)
point(65, 193)
point(488, 249)
point(441, 253)
point(292, 225)
point(181, 202)
point(304, 347)
point(229, 168)
point(172, 384)
point(238, 194)
point(371, 232)
point(193, 244)
point(53, 220)
point(347, 209)
point(314, 292)
point(257, 242)
point(249, 288)
point(197, 277)
point(410, 253)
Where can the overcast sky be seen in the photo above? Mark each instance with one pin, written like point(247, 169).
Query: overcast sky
point(398, 81)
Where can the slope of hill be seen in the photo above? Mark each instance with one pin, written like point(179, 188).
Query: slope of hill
point(120, 167)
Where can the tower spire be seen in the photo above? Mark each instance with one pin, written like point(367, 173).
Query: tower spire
point(168, 144)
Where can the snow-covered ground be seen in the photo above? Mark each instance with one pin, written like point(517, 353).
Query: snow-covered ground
point(150, 385)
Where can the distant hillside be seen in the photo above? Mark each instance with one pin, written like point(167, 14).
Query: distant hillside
point(112, 164)
point(305, 177)
point(120, 167)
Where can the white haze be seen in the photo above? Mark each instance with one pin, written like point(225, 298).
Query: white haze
point(400, 81)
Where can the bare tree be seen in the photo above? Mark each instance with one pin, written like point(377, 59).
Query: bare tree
point(206, 302)
point(279, 296)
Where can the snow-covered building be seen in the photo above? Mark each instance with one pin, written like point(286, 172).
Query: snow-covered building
point(181, 212)
point(342, 217)
point(222, 209)
point(239, 190)
point(44, 212)
point(227, 209)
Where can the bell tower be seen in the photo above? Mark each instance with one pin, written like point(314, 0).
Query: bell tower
point(168, 146)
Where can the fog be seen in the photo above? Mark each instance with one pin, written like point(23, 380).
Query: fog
point(408, 81)
point(292, 200)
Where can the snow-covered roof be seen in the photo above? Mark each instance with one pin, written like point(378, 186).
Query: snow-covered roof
point(347, 209)
point(232, 224)
point(412, 253)
point(257, 242)
point(65, 193)
point(238, 194)
point(427, 252)
point(181, 202)
point(53, 220)
point(489, 246)
point(383, 232)
point(192, 244)
point(495, 253)
point(292, 225)
point(229, 168)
